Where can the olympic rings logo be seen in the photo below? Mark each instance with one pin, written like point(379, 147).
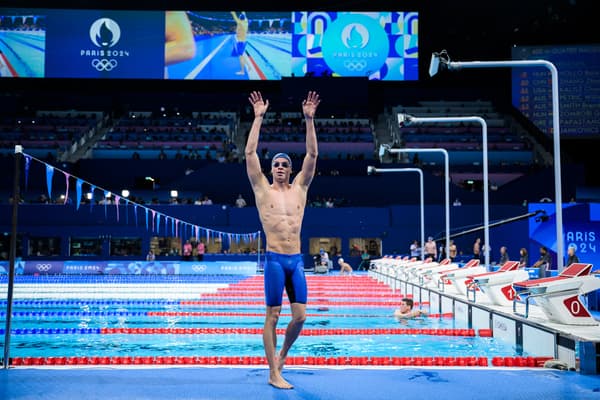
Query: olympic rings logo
point(199, 267)
point(43, 267)
point(355, 65)
point(104, 64)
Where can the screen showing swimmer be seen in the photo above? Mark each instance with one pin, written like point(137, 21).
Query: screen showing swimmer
point(208, 45)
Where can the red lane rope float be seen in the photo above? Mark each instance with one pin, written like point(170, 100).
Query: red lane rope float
point(252, 314)
point(344, 294)
point(311, 299)
point(322, 291)
point(318, 301)
point(315, 284)
point(334, 282)
point(470, 361)
point(520, 361)
point(258, 285)
point(305, 332)
point(444, 315)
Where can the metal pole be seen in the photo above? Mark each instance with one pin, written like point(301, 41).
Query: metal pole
point(446, 181)
point(455, 65)
point(420, 171)
point(486, 202)
point(13, 253)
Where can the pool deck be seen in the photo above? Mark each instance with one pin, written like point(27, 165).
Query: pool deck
point(310, 383)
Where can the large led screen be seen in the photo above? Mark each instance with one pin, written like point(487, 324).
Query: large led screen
point(578, 76)
point(228, 45)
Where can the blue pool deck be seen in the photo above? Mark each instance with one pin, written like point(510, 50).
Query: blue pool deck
point(310, 384)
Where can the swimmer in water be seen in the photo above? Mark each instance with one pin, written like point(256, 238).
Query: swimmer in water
point(406, 310)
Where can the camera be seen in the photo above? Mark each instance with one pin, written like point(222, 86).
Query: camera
point(439, 62)
point(404, 120)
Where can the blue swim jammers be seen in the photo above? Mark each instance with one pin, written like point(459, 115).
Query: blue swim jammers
point(284, 270)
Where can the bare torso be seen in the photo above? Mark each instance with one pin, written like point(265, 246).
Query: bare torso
point(281, 210)
point(241, 31)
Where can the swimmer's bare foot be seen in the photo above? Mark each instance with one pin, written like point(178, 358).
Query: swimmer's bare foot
point(276, 380)
point(240, 73)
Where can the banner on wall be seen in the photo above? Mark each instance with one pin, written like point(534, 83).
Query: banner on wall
point(581, 229)
point(45, 267)
point(208, 45)
point(104, 44)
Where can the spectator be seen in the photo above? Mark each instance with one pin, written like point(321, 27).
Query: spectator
point(240, 202)
point(415, 249)
point(453, 250)
point(324, 258)
point(150, 256)
point(543, 263)
point(365, 261)
point(200, 250)
point(572, 257)
point(206, 201)
point(503, 255)
point(430, 249)
point(187, 251)
point(477, 249)
point(524, 258)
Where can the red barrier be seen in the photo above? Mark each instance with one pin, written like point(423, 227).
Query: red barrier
point(281, 331)
point(485, 333)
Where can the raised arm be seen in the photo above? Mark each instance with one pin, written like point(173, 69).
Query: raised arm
point(252, 161)
point(309, 165)
point(179, 38)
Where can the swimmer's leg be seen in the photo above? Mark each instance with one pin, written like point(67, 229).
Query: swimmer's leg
point(297, 293)
point(274, 284)
point(293, 331)
point(270, 343)
point(241, 48)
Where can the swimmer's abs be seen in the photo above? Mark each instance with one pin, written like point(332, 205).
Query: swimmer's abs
point(283, 243)
point(283, 248)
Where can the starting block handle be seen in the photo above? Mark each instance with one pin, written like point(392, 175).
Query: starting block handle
point(441, 285)
point(472, 288)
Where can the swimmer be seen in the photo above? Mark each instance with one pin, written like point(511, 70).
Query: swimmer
point(344, 267)
point(241, 31)
point(280, 206)
point(406, 310)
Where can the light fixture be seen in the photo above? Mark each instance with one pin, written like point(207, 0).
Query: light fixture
point(441, 61)
point(125, 193)
point(174, 193)
point(371, 170)
point(89, 195)
point(405, 120)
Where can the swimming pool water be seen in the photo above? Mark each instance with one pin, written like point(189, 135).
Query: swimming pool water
point(344, 320)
